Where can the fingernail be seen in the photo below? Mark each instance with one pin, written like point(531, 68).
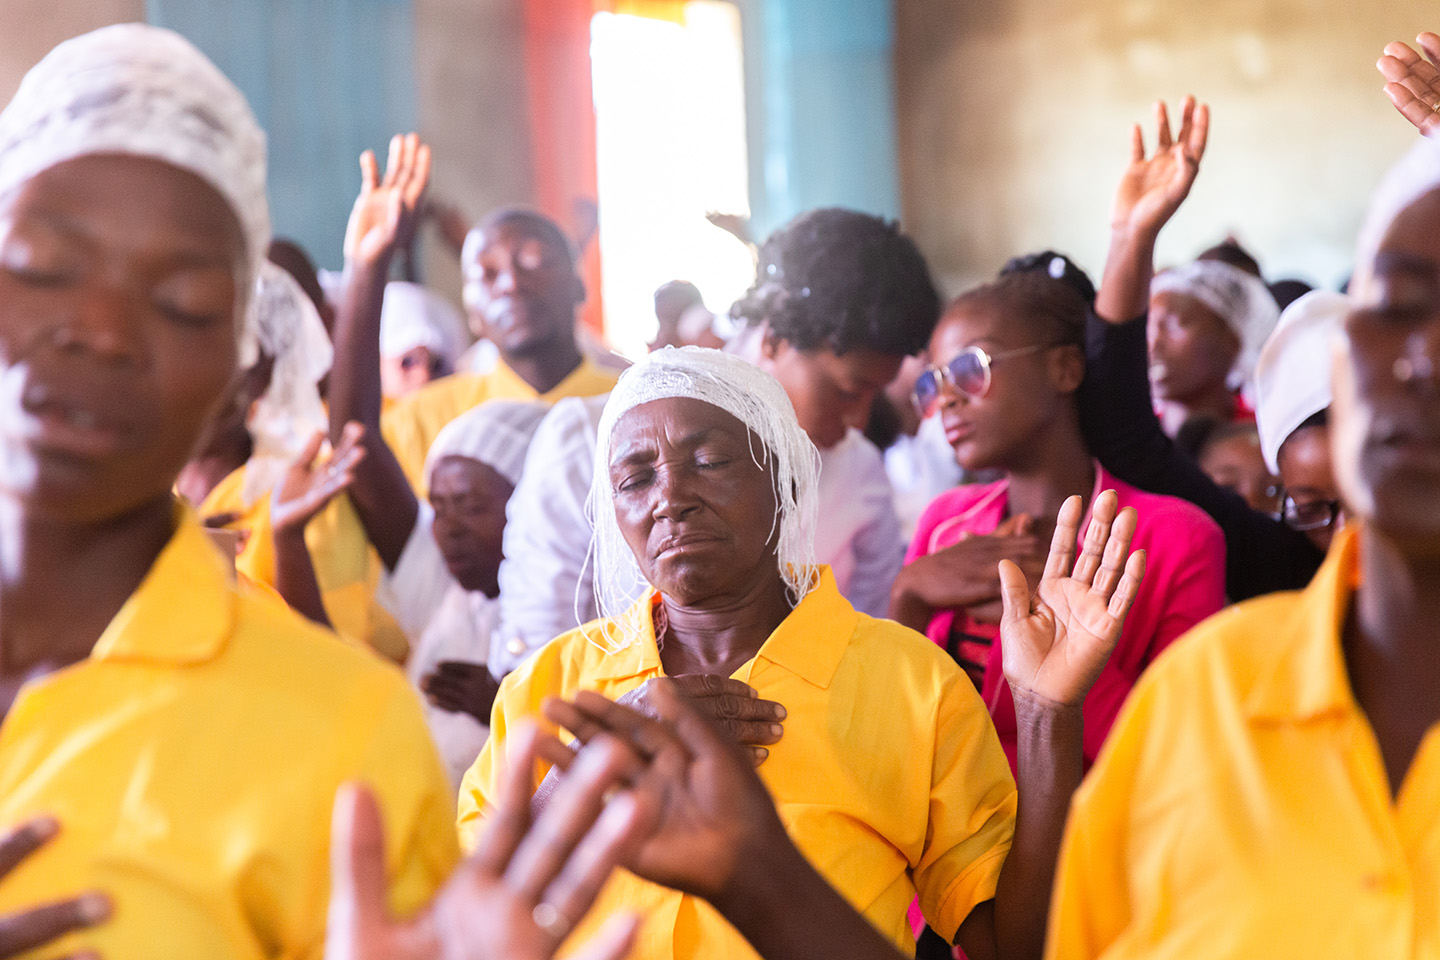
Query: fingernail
point(94, 907)
point(760, 753)
point(43, 828)
point(776, 730)
point(780, 713)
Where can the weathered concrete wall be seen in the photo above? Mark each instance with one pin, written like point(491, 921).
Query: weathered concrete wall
point(29, 28)
point(1014, 121)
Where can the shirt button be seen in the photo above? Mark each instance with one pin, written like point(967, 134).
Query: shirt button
point(515, 647)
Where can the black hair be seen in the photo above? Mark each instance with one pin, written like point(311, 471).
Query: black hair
point(1229, 251)
point(1287, 292)
point(533, 222)
point(843, 280)
point(1055, 310)
point(1058, 267)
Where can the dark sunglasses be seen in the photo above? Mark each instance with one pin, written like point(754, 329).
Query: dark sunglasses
point(968, 371)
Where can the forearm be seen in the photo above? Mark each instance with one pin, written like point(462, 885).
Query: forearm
point(1125, 286)
point(787, 911)
point(380, 493)
point(1050, 763)
point(295, 577)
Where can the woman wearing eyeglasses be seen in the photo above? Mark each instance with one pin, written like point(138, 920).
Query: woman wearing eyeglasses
point(1010, 358)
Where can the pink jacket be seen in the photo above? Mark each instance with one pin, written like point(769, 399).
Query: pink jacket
point(1184, 583)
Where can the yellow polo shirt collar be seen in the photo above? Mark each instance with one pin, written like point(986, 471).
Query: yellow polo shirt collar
point(1306, 677)
point(810, 645)
point(188, 621)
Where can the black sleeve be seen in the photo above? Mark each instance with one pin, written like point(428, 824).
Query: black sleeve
point(1263, 555)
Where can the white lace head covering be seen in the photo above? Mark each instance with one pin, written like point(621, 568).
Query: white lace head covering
point(497, 433)
point(416, 316)
point(1413, 175)
point(144, 91)
point(1292, 376)
point(1238, 298)
point(754, 398)
point(287, 327)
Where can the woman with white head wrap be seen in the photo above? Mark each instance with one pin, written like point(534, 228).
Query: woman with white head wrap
point(421, 338)
point(1291, 745)
point(1208, 320)
point(1293, 394)
point(888, 771)
point(203, 728)
point(1262, 554)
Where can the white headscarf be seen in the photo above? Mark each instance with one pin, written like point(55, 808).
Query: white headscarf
point(757, 400)
point(287, 327)
point(1413, 175)
point(1238, 298)
point(144, 91)
point(1292, 377)
point(416, 316)
point(497, 433)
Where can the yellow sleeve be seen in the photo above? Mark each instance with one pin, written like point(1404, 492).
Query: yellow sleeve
point(972, 811)
point(1090, 908)
point(411, 425)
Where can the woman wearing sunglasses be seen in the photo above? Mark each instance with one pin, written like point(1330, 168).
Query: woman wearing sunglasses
point(1009, 358)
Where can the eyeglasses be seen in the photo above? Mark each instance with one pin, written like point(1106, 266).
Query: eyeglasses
point(968, 371)
point(1314, 515)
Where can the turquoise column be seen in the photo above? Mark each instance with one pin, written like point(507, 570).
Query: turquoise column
point(821, 87)
point(327, 79)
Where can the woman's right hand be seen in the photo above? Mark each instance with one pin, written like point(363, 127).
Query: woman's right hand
point(1414, 81)
point(963, 575)
point(1153, 187)
point(20, 932)
point(386, 212)
point(730, 706)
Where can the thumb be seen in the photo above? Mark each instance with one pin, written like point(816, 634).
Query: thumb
point(311, 451)
point(1014, 593)
point(357, 868)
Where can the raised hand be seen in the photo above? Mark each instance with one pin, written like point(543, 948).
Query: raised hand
point(24, 931)
point(309, 485)
point(385, 214)
point(714, 813)
point(1153, 187)
point(1056, 640)
point(527, 884)
point(1414, 81)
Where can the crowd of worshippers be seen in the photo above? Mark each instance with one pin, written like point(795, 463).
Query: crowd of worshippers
point(1057, 620)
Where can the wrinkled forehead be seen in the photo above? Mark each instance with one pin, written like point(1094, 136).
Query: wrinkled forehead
point(674, 421)
point(1410, 243)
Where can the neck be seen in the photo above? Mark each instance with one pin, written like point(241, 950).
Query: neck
point(1399, 606)
point(1217, 403)
point(1054, 466)
point(46, 564)
point(545, 368)
point(717, 637)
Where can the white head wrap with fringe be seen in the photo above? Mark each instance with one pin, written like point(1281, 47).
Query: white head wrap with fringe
point(287, 327)
point(1238, 298)
point(143, 91)
point(754, 398)
point(496, 433)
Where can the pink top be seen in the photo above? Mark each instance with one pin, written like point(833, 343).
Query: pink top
point(1184, 583)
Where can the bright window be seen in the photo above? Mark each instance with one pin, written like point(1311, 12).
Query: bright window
point(670, 139)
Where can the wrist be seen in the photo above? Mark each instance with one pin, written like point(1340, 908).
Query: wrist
point(1044, 721)
point(767, 871)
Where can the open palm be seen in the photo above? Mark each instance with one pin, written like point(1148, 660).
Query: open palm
point(1056, 641)
point(387, 210)
point(1413, 81)
point(1153, 187)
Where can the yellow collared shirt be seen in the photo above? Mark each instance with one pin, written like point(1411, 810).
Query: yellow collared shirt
point(192, 761)
point(412, 424)
point(1241, 806)
point(889, 777)
point(347, 568)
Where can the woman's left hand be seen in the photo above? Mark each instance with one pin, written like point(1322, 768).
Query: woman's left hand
point(461, 687)
point(1414, 81)
point(1057, 640)
point(308, 486)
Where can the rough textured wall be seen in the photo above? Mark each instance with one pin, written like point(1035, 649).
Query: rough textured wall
point(29, 28)
point(1014, 119)
point(470, 82)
